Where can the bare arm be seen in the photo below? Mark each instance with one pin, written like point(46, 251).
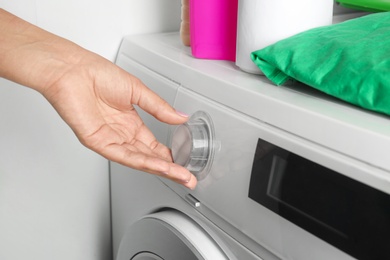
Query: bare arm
point(94, 97)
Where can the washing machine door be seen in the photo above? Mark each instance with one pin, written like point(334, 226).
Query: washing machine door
point(168, 235)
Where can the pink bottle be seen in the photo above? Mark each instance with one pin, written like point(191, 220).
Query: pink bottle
point(213, 29)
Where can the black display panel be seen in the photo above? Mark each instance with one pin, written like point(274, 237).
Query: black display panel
point(341, 211)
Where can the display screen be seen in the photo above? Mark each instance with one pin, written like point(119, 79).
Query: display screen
point(345, 213)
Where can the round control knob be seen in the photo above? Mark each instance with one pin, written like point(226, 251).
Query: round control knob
point(192, 144)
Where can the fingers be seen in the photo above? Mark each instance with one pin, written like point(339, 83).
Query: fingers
point(190, 180)
point(137, 149)
point(155, 105)
point(165, 169)
point(151, 164)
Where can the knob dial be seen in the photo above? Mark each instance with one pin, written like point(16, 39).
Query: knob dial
point(192, 144)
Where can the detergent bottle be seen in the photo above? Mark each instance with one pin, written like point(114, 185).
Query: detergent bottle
point(213, 29)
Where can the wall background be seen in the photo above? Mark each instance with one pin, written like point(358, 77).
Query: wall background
point(54, 193)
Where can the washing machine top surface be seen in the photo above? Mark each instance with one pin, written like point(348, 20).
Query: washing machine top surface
point(297, 108)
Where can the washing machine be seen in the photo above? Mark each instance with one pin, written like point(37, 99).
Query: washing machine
point(150, 220)
point(283, 172)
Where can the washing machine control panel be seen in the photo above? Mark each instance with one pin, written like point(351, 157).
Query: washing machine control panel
point(192, 144)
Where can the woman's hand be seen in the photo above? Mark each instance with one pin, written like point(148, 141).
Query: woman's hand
point(97, 100)
point(93, 96)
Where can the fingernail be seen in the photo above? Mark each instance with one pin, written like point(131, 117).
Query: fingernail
point(182, 114)
point(165, 173)
point(190, 186)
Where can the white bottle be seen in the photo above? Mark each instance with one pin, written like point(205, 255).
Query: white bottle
point(264, 22)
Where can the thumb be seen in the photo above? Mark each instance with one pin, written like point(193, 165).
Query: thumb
point(153, 104)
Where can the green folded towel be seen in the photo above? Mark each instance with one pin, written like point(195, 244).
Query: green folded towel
point(349, 60)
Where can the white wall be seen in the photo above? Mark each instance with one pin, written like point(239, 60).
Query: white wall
point(54, 193)
point(98, 25)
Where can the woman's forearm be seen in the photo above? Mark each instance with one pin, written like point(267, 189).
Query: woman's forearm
point(32, 56)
